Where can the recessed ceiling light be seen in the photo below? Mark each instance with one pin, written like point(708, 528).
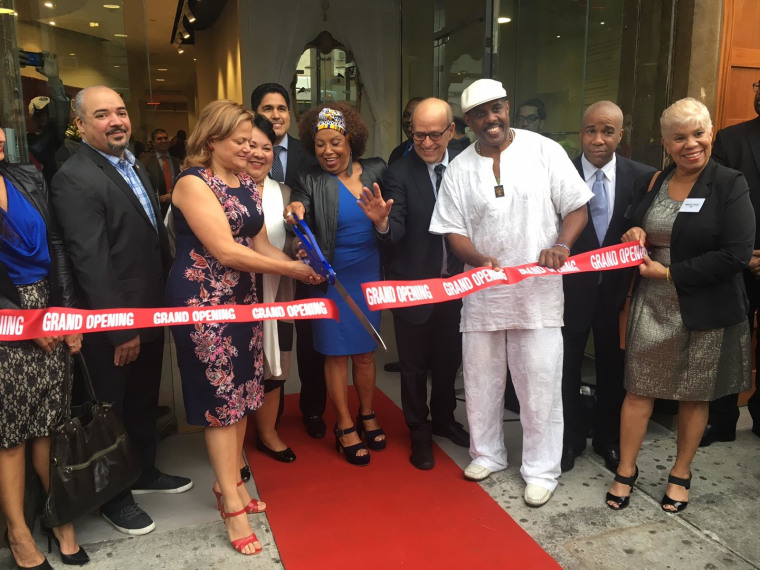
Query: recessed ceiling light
point(559, 36)
point(120, 35)
point(116, 66)
point(162, 69)
point(504, 20)
point(72, 53)
point(48, 4)
point(194, 59)
point(160, 79)
point(51, 22)
point(180, 50)
point(601, 23)
point(94, 24)
point(111, 6)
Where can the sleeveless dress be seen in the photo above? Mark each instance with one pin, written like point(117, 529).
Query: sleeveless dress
point(221, 364)
point(664, 359)
point(356, 260)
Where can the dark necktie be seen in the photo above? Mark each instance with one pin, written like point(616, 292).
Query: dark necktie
point(599, 206)
point(277, 173)
point(438, 177)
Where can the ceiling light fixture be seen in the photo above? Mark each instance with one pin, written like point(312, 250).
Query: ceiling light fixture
point(94, 24)
point(180, 50)
point(48, 4)
point(160, 79)
point(188, 14)
point(162, 69)
point(7, 11)
point(504, 20)
point(51, 22)
point(120, 35)
point(111, 6)
point(183, 32)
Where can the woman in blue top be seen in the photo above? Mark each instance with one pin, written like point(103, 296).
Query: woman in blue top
point(33, 275)
point(326, 197)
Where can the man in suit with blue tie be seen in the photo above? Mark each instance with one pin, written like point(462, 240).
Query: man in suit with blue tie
point(593, 300)
point(272, 101)
point(427, 336)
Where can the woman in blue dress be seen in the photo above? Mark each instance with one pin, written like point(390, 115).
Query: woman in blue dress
point(221, 243)
point(326, 197)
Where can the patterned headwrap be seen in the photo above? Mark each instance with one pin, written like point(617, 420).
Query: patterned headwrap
point(331, 119)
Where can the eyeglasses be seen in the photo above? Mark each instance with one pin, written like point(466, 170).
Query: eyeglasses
point(756, 87)
point(419, 137)
point(528, 118)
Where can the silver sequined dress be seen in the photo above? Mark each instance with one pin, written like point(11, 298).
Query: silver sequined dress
point(664, 359)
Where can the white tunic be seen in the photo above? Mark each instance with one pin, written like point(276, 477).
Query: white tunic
point(541, 187)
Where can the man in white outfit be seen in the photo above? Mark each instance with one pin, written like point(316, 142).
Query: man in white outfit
point(512, 198)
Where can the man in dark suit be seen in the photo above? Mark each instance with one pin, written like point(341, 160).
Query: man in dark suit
point(162, 168)
point(593, 300)
point(427, 336)
point(405, 147)
point(108, 214)
point(290, 158)
point(738, 147)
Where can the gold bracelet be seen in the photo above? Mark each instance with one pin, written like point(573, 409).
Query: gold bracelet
point(667, 275)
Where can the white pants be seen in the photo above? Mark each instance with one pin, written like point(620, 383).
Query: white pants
point(535, 359)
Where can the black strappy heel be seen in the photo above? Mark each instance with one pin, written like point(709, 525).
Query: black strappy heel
point(622, 502)
point(667, 501)
point(372, 442)
point(352, 450)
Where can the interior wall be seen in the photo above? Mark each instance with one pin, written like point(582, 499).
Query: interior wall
point(218, 68)
point(368, 28)
point(416, 56)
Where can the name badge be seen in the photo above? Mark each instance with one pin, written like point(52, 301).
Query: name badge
point(692, 205)
point(499, 191)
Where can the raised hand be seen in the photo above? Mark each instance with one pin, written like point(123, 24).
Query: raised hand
point(375, 207)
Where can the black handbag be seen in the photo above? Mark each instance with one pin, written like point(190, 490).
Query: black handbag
point(91, 458)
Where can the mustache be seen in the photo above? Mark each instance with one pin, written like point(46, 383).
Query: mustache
point(494, 124)
point(116, 130)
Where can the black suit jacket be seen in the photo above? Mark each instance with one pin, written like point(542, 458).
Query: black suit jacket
point(738, 147)
point(398, 152)
point(414, 253)
point(298, 160)
point(710, 248)
point(581, 289)
point(156, 171)
point(118, 258)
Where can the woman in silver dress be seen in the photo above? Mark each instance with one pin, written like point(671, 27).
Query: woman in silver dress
point(688, 335)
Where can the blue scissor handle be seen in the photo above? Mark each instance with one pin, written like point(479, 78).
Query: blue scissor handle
point(315, 257)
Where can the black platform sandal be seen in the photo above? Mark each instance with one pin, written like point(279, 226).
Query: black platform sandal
point(372, 442)
point(668, 502)
point(622, 502)
point(352, 450)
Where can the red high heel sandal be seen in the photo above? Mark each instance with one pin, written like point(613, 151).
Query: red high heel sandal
point(251, 508)
point(241, 543)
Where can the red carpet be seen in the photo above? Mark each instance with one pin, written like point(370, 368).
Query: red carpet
point(326, 513)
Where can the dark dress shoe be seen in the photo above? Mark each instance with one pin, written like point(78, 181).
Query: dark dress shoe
point(422, 456)
point(611, 456)
point(714, 433)
point(315, 426)
point(455, 432)
point(569, 453)
point(392, 367)
point(285, 456)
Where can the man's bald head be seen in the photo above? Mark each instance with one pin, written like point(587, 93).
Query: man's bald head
point(607, 107)
point(601, 132)
point(432, 118)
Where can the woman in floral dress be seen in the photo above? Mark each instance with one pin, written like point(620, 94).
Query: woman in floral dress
point(221, 242)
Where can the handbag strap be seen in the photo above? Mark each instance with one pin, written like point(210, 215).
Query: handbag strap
point(66, 400)
point(87, 379)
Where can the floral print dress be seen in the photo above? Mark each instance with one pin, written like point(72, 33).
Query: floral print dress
point(221, 364)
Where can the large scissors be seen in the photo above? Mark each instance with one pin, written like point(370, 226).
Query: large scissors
point(318, 263)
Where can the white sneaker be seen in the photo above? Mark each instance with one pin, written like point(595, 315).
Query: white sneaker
point(536, 496)
point(475, 472)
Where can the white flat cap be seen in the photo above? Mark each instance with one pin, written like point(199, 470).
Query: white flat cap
point(482, 91)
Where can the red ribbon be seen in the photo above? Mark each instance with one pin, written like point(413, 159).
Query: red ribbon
point(55, 321)
point(395, 294)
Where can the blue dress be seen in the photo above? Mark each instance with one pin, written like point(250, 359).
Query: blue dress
point(221, 364)
point(356, 260)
